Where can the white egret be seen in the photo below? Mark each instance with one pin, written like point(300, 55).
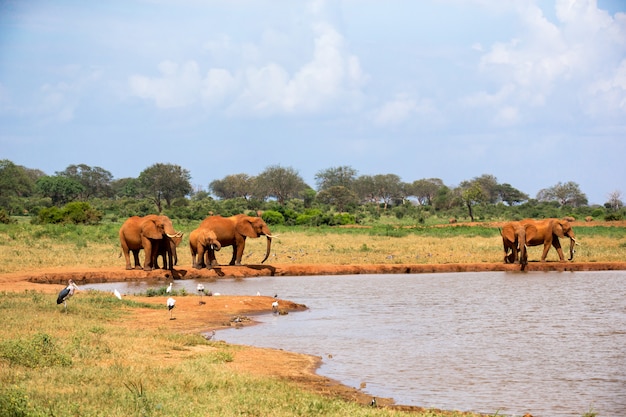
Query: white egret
point(169, 289)
point(117, 294)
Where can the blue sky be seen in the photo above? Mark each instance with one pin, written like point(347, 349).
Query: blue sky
point(532, 92)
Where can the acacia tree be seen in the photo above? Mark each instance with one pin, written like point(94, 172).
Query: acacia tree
point(165, 182)
point(280, 183)
point(233, 186)
point(425, 190)
point(342, 176)
point(338, 196)
point(567, 194)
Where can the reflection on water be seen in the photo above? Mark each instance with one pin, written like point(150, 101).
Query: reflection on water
point(552, 344)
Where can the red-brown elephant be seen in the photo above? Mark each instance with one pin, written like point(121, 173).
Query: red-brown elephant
point(201, 241)
point(547, 233)
point(514, 240)
point(148, 233)
point(233, 231)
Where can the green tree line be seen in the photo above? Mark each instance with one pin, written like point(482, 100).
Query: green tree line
point(85, 194)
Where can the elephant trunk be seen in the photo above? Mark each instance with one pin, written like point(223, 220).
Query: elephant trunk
point(269, 246)
point(572, 243)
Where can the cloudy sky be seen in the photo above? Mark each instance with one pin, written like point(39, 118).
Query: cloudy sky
point(530, 91)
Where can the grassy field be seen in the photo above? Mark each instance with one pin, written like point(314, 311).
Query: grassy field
point(28, 247)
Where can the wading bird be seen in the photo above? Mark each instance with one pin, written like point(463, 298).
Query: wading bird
point(169, 289)
point(275, 306)
point(200, 289)
point(117, 294)
point(66, 293)
point(170, 305)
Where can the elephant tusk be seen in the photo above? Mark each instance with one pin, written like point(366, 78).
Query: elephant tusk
point(177, 234)
point(272, 236)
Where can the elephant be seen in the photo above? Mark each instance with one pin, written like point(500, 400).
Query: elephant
point(166, 248)
point(233, 231)
point(200, 241)
point(146, 233)
point(514, 239)
point(548, 232)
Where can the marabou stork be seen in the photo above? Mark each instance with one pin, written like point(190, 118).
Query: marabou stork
point(66, 293)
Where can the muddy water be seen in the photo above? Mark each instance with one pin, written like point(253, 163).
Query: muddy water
point(552, 344)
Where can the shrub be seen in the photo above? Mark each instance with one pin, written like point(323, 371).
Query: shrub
point(5, 218)
point(74, 213)
point(273, 217)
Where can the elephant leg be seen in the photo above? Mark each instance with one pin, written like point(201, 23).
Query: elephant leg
point(136, 258)
point(233, 260)
point(546, 248)
point(127, 257)
point(557, 245)
point(211, 261)
point(147, 261)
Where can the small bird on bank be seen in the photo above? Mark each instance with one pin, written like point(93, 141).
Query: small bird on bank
point(200, 289)
point(66, 293)
point(169, 289)
point(373, 403)
point(170, 305)
point(117, 294)
point(275, 306)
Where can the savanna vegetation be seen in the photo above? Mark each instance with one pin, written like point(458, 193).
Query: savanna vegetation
point(87, 195)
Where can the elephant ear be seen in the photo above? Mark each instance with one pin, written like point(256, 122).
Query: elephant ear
point(508, 232)
point(531, 232)
point(557, 228)
point(244, 227)
point(150, 230)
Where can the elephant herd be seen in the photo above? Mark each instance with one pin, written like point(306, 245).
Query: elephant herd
point(155, 234)
point(518, 235)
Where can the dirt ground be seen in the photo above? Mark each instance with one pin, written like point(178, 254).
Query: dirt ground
point(218, 311)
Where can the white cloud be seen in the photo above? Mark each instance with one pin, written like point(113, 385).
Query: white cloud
point(402, 108)
point(331, 77)
point(577, 55)
point(178, 85)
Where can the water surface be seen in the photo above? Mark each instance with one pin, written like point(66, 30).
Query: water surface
point(552, 344)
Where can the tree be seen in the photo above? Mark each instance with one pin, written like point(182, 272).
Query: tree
point(567, 194)
point(342, 176)
point(126, 187)
point(165, 182)
point(510, 195)
point(60, 189)
point(14, 182)
point(338, 196)
point(233, 186)
point(280, 183)
point(96, 181)
point(615, 200)
point(489, 188)
point(472, 193)
point(425, 190)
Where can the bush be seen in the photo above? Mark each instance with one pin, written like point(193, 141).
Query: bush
point(74, 213)
point(273, 217)
point(5, 218)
